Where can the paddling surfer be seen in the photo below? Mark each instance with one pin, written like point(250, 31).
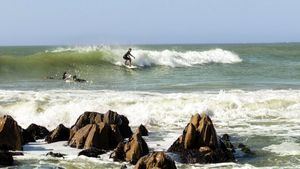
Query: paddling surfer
point(127, 58)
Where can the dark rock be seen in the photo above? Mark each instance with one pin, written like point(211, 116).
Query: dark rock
point(85, 119)
point(123, 166)
point(57, 155)
point(155, 160)
point(111, 117)
point(61, 133)
point(199, 143)
point(142, 130)
point(37, 132)
point(10, 134)
point(6, 158)
point(27, 137)
point(245, 149)
point(91, 152)
point(131, 150)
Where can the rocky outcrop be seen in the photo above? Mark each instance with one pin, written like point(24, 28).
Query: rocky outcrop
point(131, 150)
point(61, 133)
point(37, 132)
point(142, 130)
point(27, 137)
point(6, 159)
point(199, 143)
point(85, 119)
point(91, 152)
point(155, 160)
point(10, 134)
point(102, 131)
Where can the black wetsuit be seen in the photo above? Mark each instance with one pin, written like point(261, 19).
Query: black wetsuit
point(127, 55)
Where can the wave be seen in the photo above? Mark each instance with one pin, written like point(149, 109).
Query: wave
point(82, 57)
point(264, 112)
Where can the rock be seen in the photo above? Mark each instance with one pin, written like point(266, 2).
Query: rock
point(199, 143)
point(37, 132)
point(190, 139)
point(245, 149)
point(131, 150)
point(6, 159)
point(57, 155)
point(61, 133)
point(85, 119)
point(92, 135)
point(10, 134)
point(142, 130)
point(91, 152)
point(27, 137)
point(227, 143)
point(123, 166)
point(208, 135)
point(111, 117)
point(155, 160)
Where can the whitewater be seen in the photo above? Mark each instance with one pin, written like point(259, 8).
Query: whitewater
point(250, 91)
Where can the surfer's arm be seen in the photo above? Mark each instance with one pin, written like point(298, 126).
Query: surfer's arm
point(131, 55)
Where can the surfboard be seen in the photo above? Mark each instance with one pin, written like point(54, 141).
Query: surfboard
point(131, 67)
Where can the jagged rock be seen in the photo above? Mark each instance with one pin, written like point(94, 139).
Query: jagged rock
point(6, 158)
point(227, 143)
point(111, 117)
point(61, 133)
point(57, 155)
point(123, 166)
point(10, 134)
point(199, 143)
point(91, 152)
point(92, 135)
point(157, 160)
point(142, 130)
point(37, 132)
point(132, 150)
point(85, 119)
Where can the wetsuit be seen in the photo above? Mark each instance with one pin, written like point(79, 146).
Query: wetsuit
point(127, 55)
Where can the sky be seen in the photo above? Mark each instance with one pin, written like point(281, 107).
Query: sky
point(74, 22)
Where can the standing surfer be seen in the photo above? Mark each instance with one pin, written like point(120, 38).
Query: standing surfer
point(127, 57)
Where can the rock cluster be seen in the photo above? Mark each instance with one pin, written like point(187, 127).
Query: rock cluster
point(101, 131)
point(199, 143)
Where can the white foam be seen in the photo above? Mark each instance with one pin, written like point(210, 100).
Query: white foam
point(264, 112)
point(181, 59)
point(284, 149)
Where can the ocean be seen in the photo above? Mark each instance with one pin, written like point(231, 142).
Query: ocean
point(251, 92)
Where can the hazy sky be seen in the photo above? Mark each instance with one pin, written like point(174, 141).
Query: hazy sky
point(41, 22)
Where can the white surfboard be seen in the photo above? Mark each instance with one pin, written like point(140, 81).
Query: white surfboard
point(131, 67)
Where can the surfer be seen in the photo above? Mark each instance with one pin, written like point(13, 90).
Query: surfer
point(66, 76)
point(127, 57)
point(77, 79)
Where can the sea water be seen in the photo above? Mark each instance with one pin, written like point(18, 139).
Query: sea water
point(251, 92)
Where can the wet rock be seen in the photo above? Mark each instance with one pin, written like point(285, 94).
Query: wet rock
point(199, 143)
point(10, 134)
point(92, 135)
point(37, 132)
point(85, 119)
point(56, 155)
point(142, 130)
point(91, 152)
point(61, 133)
point(131, 150)
point(6, 159)
point(155, 160)
point(123, 166)
point(227, 143)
